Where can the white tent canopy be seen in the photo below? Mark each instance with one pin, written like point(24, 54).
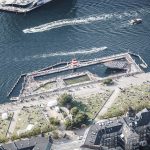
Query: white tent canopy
point(4, 116)
point(52, 103)
point(29, 127)
point(57, 109)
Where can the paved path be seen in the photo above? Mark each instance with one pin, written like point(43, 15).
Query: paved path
point(13, 123)
point(110, 101)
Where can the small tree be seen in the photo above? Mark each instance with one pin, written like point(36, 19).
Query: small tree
point(65, 99)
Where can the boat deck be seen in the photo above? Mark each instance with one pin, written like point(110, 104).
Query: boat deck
point(20, 9)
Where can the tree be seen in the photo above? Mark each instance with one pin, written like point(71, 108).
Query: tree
point(65, 99)
point(80, 119)
point(74, 111)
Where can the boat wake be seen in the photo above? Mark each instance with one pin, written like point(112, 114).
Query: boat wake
point(79, 21)
point(84, 52)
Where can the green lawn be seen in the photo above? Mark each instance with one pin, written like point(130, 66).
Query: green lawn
point(46, 87)
point(92, 104)
point(4, 124)
point(76, 80)
point(137, 97)
point(30, 115)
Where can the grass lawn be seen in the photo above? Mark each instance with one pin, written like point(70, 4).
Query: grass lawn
point(92, 104)
point(4, 124)
point(76, 80)
point(137, 97)
point(45, 87)
point(30, 115)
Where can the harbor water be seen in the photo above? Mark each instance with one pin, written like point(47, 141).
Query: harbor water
point(62, 30)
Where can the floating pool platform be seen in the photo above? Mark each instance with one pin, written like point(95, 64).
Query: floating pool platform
point(30, 85)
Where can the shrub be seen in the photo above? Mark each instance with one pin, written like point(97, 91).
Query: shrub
point(108, 81)
point(55, 135)
point(15, 137)
point(64, 114)
point(68, 124)
point(47, 128)
point(3, 139)
point(54, 121)
point(80, 119)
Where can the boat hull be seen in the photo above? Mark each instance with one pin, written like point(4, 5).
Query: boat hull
point(21, 10)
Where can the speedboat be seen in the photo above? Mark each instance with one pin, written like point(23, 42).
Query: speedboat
point(135, 21)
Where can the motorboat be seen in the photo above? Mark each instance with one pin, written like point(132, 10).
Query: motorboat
point(136, 21)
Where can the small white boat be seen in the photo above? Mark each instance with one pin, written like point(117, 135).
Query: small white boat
point(135, 21)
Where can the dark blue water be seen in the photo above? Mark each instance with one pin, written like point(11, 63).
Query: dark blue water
point(91, 24)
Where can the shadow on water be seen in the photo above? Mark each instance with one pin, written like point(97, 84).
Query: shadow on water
point(110, 71)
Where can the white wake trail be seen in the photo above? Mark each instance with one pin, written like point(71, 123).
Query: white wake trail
point(65, 22)
point(78, 21)
point(84, 52)
point(89, 51)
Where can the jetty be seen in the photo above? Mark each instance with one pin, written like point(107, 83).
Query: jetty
point(33, 86)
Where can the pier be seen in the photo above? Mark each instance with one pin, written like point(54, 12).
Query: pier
point(87, 63)
point(144, 64)
point(16, 83)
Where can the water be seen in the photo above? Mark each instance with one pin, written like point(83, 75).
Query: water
point(63, 28)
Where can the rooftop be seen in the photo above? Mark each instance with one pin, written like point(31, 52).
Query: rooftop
point(103, 134)
point(35, 143)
